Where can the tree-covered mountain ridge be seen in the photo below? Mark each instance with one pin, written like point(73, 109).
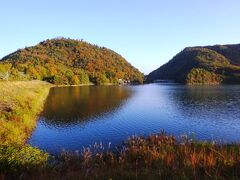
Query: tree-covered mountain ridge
point(218, 64)
point(68, 61)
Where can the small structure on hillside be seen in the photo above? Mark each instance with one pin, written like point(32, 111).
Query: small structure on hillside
point(123, 81)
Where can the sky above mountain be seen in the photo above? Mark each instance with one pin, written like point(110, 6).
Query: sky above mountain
point(146, 32)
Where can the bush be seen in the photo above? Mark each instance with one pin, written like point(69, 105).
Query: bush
point(15, 158)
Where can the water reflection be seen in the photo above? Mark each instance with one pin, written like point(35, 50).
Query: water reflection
point(210, 112)
point(80, 116)
point(71, 105)
point(207, 102)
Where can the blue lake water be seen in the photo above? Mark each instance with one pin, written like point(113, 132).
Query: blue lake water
point(74, 117)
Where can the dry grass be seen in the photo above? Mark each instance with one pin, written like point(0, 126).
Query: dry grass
point(155, 157)
point(20, 103)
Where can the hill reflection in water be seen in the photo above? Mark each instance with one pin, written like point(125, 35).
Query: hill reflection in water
point(71, 105)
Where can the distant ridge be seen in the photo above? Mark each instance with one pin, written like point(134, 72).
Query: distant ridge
point(219, 64)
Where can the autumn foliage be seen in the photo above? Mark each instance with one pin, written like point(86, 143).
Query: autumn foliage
point(67, 61)
point(202, 65)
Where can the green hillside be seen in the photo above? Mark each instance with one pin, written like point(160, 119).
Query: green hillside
point(202, 65)
point(67, 61)
point(232, 52)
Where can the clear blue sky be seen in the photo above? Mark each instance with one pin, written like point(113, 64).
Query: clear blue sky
point(146, 32)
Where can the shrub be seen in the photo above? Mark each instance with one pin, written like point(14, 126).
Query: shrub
point(15, 158)
point(202, 76)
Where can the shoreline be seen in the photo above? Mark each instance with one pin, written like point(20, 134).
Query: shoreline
point(62, 85)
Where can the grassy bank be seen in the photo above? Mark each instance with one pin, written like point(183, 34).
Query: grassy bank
point(20, 104)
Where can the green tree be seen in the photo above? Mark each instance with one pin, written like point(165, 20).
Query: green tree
point(5, 71)
point(101, 79)
point(69, 74)
point(84, 78)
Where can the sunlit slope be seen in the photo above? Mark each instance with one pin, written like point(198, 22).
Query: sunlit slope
point(67, 61)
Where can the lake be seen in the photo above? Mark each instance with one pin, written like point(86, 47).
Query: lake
point(76, 117)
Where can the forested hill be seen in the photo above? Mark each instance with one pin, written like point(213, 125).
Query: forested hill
point(67, 61)
point(202, 65)
point(232, 52)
